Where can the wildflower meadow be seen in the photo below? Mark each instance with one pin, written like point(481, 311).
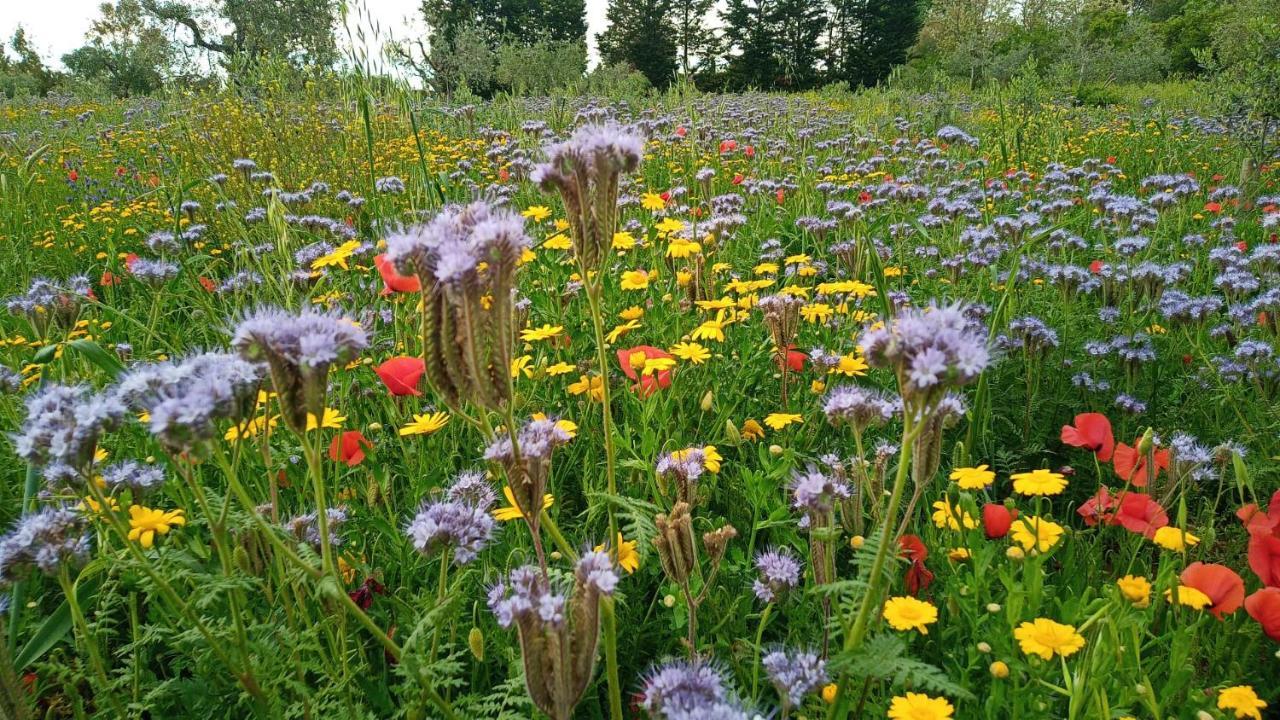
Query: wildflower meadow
point(343, 402)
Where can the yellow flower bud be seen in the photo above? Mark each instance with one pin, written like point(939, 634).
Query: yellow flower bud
point(775, 450)
point(1015, 553)
point(984, 648)
point(856, 542)
point(999, 670)
point(475, 640)
point(707, 401)
point(829, 693)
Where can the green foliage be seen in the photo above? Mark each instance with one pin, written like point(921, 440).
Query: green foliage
point(541, 67)
point(641, 35)
point(238, 31)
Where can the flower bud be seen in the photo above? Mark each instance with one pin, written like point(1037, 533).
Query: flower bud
point(999, 670)
point(984, 648)
point(775, 450)
point(1015, 553)
point(708, 401)
point(731, 432)
point(1145, 442)
point(669, 601)
point(829, 693)
point(993, 607)
point(475, 641)
point(856, 542)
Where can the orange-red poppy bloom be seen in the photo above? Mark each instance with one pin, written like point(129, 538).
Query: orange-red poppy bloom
point(401, 375)
point(1264, 557)
point(1138, 513)
point(349, 448)
point(633, 361)
point(1264, 606)
point(1099, 508)
point(1131, 465)
point(394, 282)
point(1255, 519)
point(918, 576)
point(795, 359)
point(1092, 432)
point(1223, 586)
point(996, 520)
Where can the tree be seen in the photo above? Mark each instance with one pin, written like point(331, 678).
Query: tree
point(694, 40)
point(749, 33)
point(508, 21)
point(797, 27)
point(127, 51)
point(27, 74)
point(641, 34)
point(870, 37)
point(300, 31)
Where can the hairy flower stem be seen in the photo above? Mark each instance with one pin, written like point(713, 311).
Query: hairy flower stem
point(90, 644)
point(755, 664)
point(610, 623)
point(310, 448)
point(911, 427)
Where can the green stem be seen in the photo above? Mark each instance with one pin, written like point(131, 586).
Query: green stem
point(755, 664)
point(852, 641)
point(610, 453)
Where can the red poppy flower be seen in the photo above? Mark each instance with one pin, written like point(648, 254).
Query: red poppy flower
point(750, 151)
point(401, 375)
point(1264, 557)
point(1138, 513)
point(682, 131)
point(363, 595)
point(208, 285)
point(632, 361)
point(1092, 432)
point(780, 195)
point(108, 279)
point(918, 576)
point(349, 448)
point(504, 175)
point(1255, 519)
point(1223, 586)
point(738, 178)
point(666, 196)
point(1099, 508)
point(996, 520)
point(1264, 606)
point(795, 359)
point(1111, 159)
point(864, 197)
point(728, 146)
point(1096, 266)
point(129, 260)
point(73, 176)
point(1131, 466)
point(393, 281)
point(1242, 246)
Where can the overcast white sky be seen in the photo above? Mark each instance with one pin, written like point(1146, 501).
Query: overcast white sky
point(58, 26)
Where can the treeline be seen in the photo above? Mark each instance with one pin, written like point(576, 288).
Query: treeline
point(484, 47)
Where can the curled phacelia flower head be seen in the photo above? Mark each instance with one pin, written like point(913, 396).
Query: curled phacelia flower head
point(779, 572)
point(795, 674)
point(62, 428)
point(930, 350)
point(45, 540)
point(460, 523)
point(299, 350)
point(185, 398)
